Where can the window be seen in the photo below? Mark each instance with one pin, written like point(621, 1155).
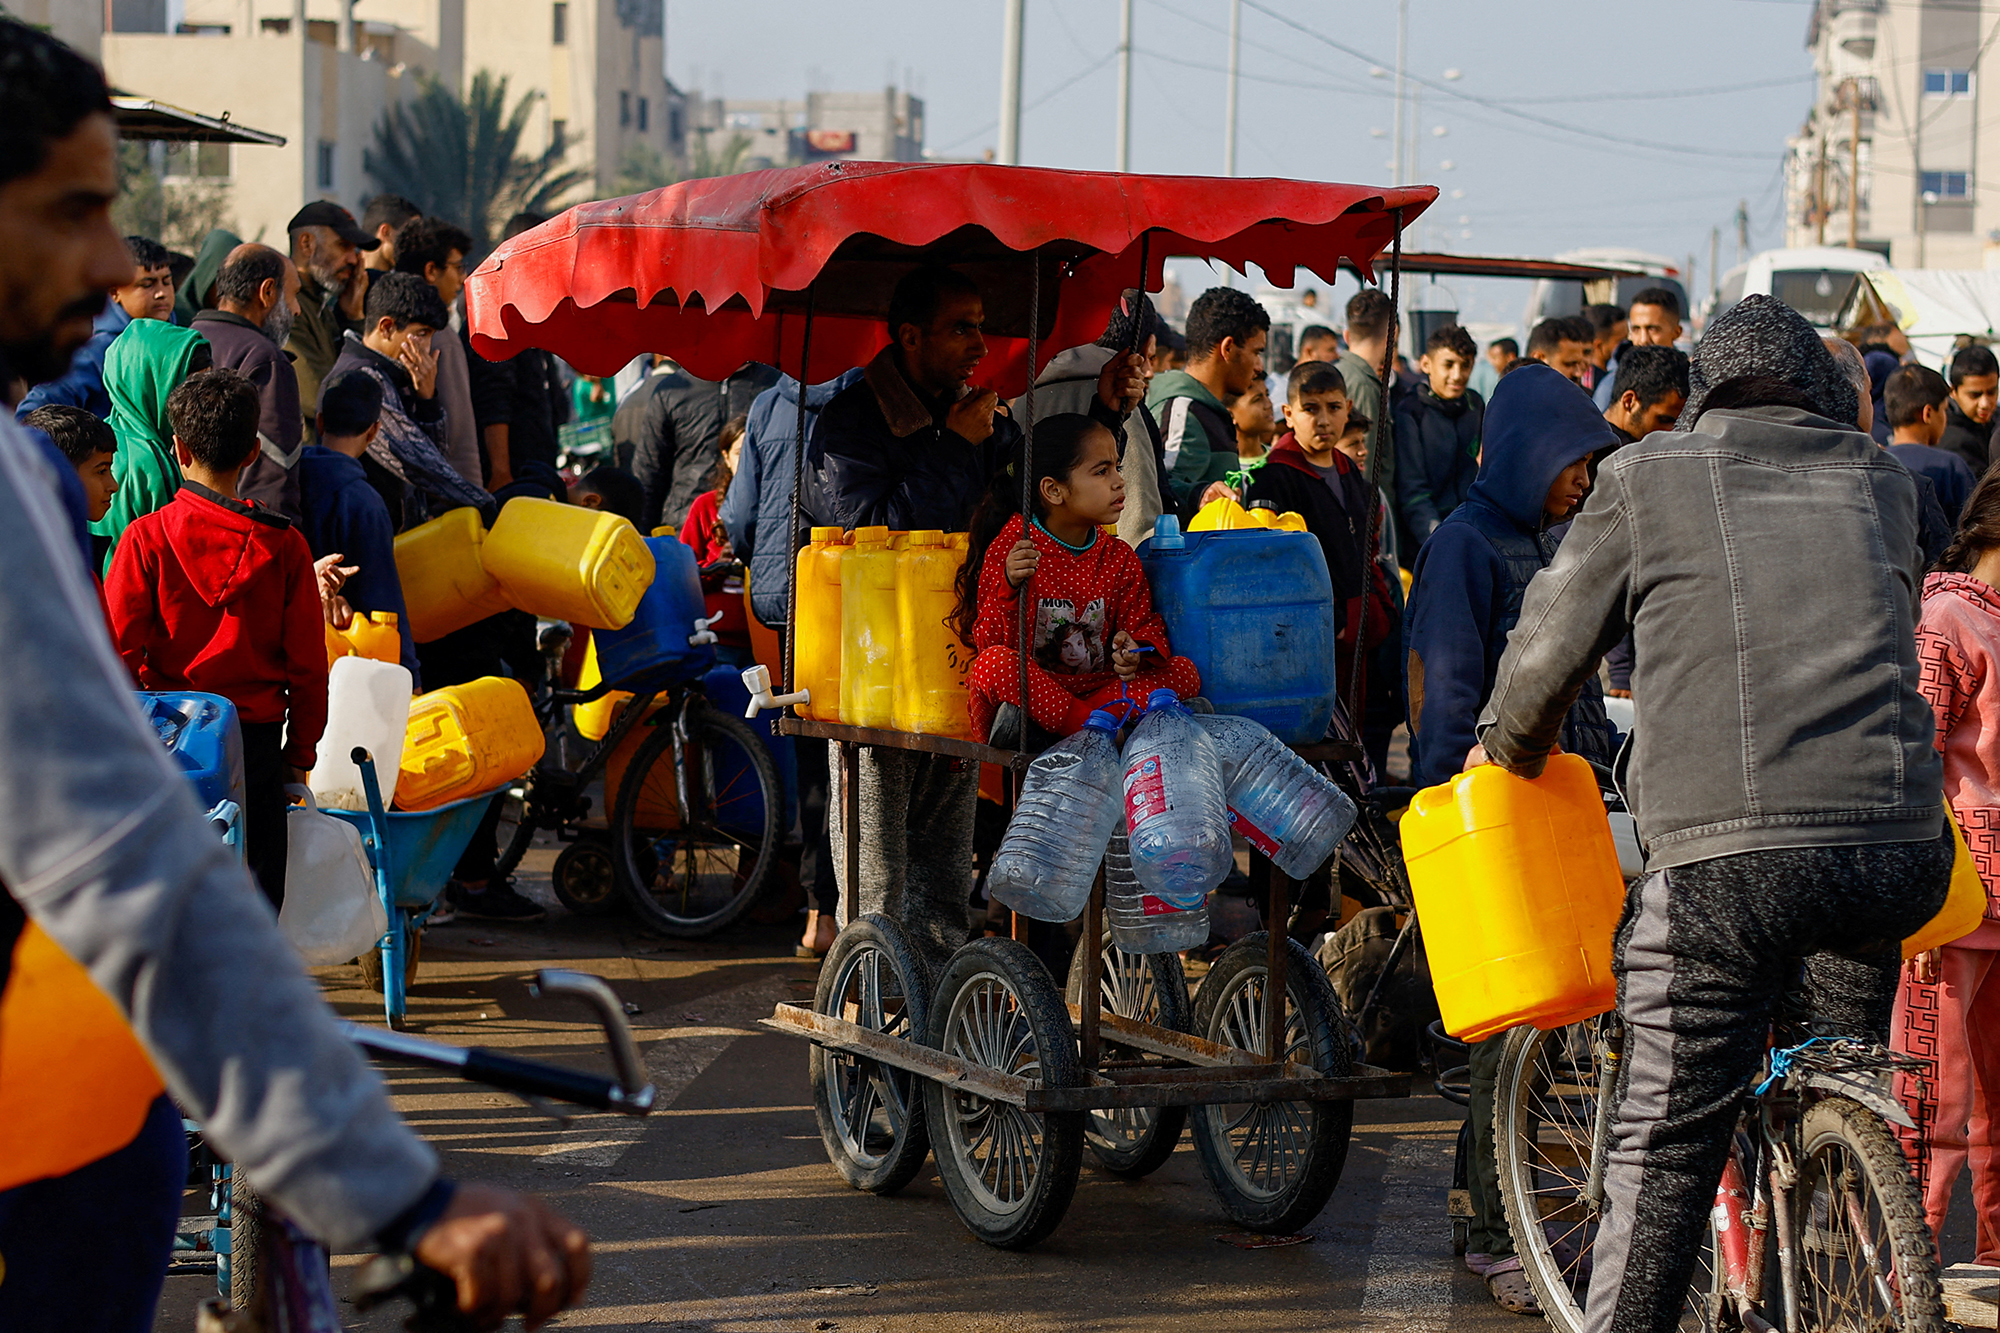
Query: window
point(1947, 82)
point(277, 27)
point(197, 159)
point(642, 115)
point(560, 34)
point(1946, 185)
point(624, 108)
point(325, 165)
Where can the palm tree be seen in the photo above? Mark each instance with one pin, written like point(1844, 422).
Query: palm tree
point(460, 159)
point(644, 168)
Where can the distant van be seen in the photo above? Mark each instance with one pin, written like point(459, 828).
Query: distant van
point(1813, 280)
point(1552, 297)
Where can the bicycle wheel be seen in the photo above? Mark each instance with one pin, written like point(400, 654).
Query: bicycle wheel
point(688, 873)
point(246, 1246)
point(1149, 988)
point(1010, 1173)
point(1866, 1256)
point(871, 1117)
point(1273, 1165)
point(1544, 1127)
point(516, 832)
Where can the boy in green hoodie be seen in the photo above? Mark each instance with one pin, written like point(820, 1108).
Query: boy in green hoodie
point(140, 370)
point(1226, 332)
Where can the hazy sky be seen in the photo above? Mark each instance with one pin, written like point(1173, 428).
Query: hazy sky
point(1703, 92)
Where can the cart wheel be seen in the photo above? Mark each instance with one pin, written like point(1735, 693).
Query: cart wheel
point(1273, 1165)
point(871, 1116)
point(1009, 1173)
point(1151, 988)
point(246, 1246)
point(371, 962)
point(585, 880)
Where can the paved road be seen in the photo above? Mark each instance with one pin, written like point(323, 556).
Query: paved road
point(721, 1213)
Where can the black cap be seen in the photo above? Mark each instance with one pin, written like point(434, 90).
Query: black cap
point(326, 213)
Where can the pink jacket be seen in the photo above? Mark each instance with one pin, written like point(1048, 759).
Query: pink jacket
point(1958, 648)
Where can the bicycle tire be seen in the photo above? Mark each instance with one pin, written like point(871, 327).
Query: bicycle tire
point(515, 833)
point(871, 1116)
point(246, 1247)
point(1135, 1141)
point(723, 858)
point(1837, 1130)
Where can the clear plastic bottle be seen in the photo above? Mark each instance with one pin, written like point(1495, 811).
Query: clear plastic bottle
point(1069, 805)
point(1283, 806)
point(1174, 809)
point(1142, 922)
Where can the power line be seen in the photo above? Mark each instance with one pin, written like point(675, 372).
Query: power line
point(1053, 92)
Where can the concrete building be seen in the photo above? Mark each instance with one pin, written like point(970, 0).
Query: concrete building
point(1890, 156)
point(885, 126)
point(75, 22)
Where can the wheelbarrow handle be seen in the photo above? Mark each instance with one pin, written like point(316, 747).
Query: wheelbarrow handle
point(509, 1074)
point(595, 992)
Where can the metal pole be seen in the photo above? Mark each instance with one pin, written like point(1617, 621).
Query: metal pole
point(1025, 621)
point(1819, 192)
point(797, 542)
point(1010, 81)
point(1714, 259)
point(1854, 168)
point(1235, 69)
point(1125, 86)
point(1402, 50)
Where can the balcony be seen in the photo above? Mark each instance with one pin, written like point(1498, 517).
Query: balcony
point(1850, 26)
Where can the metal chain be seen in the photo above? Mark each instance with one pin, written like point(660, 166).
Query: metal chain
point(1028, 476)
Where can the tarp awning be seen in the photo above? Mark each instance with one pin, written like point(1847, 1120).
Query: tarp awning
point(1933, 306)
point(143, 118)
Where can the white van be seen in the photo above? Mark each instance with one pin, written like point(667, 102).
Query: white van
point(1813, 280)
point(1552, 298)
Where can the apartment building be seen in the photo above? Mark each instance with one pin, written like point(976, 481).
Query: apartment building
point(1890, 156)
point(885, 126)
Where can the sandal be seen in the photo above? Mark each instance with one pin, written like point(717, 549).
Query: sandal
point(1478, 1264)
point(1509, 1286)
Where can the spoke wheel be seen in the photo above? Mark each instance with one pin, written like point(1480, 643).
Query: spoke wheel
point(1009, 1173)
point(871, 1116)
point(1273, 1165)
point(1866, 1257)
point(1544, 1123)
point(1149, 988)
point(688, 873)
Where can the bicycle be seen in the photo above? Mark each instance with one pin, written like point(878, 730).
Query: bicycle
point(695, 823)
point(1817, 1222)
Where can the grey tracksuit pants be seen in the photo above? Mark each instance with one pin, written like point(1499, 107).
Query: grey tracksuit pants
point(1705, 953)
point(915, 821)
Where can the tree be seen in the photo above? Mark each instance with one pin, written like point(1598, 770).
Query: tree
point(461, 160)
point(177, 214)
point(644, 167)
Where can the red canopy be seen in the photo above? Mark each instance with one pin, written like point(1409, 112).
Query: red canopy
point(715, 272)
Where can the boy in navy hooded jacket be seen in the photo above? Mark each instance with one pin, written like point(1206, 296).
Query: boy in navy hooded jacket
point(1540, 431)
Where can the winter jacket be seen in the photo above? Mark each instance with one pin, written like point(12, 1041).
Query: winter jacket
point(1737, 555)
point(1471, 575)
point(1958, 652)
point(1967, 438)
point(673, 421)
point(1437, 457)
point(881, 454)
point(103, 846)
point(703, 532)
point(316, 341)
point(1069, 384)
point(1949, 474)
point(271, 478)
point(344, 513)
point(83, 385)
point(1198, 434)
point(758, 509)
point(409, 444)
point(527, 396)
point(1364, 392)
point(216, 595)
point(192, 298)
point(140, 370)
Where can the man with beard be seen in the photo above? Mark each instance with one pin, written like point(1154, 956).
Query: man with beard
point(257, 299)
point(327, 244)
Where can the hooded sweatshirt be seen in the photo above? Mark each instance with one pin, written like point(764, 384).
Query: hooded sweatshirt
point(191, 299)
point(216, 595)
point(1966, 438)
point(140, 370)
point(1471, 575)
point(1958, 645)
point(1437, 457)
point(1198, 434)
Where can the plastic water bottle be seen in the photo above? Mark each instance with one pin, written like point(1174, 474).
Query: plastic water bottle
point(1069, 805)
point(1142, 922)
point(1174, 809)
point(1279, 803)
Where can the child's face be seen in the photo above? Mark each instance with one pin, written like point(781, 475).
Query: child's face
point(1354, 444)
point(1318, 419)
point(1075, 652)
point(98, 483)
point(1571, 485)
point(1093, 492)
point(1449, 372)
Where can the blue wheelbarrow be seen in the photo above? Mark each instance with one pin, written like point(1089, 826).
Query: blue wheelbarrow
point(412, 854)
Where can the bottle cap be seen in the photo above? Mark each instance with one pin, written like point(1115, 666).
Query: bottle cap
point(1161, 699)
point(1101, 720)
point(1264, 504)
point(1167, 533)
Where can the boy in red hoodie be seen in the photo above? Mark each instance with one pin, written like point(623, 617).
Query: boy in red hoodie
point(217, 594)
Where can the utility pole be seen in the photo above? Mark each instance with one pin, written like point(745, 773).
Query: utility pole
point(1010, 81)
point(1125, 86)
point(1819, 190)
point(1742, 230)
point(1854, 168)
point(1402, 54)
point(1714, 261)
point(1235, 68)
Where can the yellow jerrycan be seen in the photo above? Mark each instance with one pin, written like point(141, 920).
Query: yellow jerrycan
point(1517, 886)
point(868, 631)
point(467, 739)
point(594, 719)
point(931, 660)
point(373, 635)
point(817, 664)
point(445, 583)
point(1964, 903)
point(565, 562)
